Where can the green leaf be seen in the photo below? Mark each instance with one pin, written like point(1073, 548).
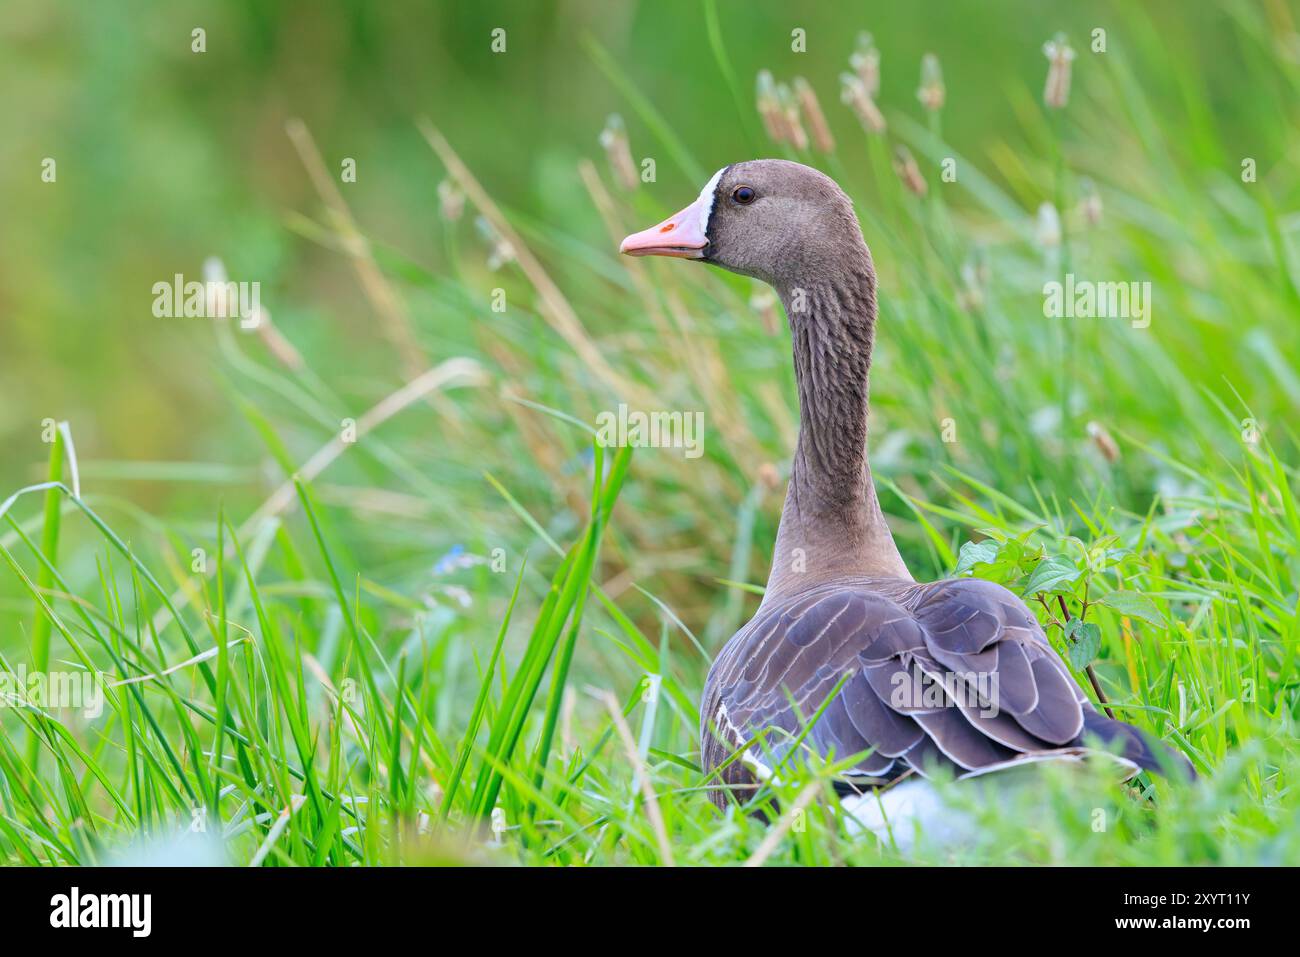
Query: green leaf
point(1134, 605)
point(1050, 574)
point(1085, 642)
point(975, 553)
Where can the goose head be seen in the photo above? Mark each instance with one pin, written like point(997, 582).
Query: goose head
point(771, 219)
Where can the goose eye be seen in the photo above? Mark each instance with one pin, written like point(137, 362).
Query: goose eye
point(744, 195)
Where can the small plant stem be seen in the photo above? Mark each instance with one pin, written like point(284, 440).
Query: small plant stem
point(1088, 669)
point(1101, 695)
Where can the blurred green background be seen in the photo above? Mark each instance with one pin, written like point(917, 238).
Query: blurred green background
point(166, 157)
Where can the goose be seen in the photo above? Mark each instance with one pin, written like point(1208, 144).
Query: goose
point(950, 678)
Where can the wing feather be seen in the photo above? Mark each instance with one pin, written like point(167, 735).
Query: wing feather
point(957, 674)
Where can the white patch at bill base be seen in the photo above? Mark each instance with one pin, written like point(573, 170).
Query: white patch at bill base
point(702, 208)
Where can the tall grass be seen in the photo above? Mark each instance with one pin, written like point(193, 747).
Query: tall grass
point(473, 635)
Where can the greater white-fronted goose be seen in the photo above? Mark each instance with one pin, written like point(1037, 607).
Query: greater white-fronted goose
point(953, 675)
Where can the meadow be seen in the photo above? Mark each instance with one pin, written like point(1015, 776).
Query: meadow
point(356, 584)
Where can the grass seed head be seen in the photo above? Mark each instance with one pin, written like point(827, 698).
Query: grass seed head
point(865, 61)
point(812, 111)
point(500, 251)
point(1059, 53)
point(853, 92)
point(613, 138)
point(931, 91)
point(1105, 444)
point(769, 107)
point(794, 131)
point(907, 170)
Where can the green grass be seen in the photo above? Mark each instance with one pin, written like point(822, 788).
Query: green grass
point(469, 636)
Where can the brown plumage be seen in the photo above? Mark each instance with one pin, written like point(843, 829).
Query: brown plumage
point(954, 675)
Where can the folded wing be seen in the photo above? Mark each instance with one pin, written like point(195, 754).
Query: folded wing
point(956, 674)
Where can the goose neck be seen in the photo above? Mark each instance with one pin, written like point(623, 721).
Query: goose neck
point(832, 525)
